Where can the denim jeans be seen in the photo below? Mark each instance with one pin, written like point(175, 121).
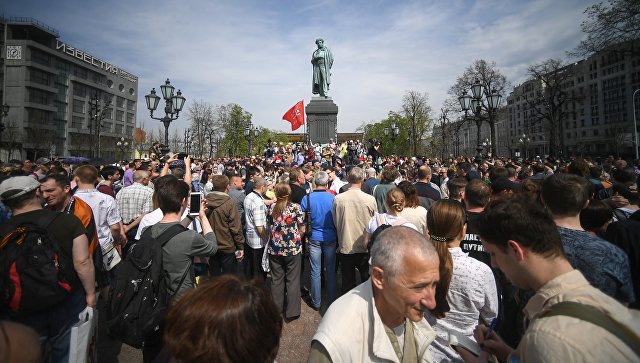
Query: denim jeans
point(54, 325)
point(319, 251)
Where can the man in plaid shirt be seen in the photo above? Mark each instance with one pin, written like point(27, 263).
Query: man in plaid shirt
point(134, 202)
point(256, 223)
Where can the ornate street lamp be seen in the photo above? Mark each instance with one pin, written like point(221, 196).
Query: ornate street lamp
point(97, 114)
point(524, 140)
point(250, 133)
point(172, 108)
point(474, 103)
point(122, 144)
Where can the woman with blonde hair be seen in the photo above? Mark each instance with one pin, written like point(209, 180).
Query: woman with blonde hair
point(394, 201)
point(286, 226)
point(467, 289)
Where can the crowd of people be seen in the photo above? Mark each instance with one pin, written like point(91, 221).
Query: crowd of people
point(403, 252)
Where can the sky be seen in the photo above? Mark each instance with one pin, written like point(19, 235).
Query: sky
point(258, 53)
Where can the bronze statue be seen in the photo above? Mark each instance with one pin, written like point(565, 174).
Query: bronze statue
point(322, 61)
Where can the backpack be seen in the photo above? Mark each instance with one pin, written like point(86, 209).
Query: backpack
point(382, 225)
point(139, 295)
point(35, 274)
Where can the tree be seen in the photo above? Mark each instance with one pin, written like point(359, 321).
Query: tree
point(203, 120)
point(491, 79)
point(615, 27)
point(233, 119)
point(416, 112)
point(13, 138)
point(549, 105)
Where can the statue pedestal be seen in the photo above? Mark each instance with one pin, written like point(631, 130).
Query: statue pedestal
point(322, 120)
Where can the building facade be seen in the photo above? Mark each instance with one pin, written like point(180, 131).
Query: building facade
point(596, 120)
point(63, 101)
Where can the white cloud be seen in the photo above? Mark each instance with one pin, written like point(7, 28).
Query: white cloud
point(257, 53)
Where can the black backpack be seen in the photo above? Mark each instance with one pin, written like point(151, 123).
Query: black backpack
point(139, 295)
point(35, 274)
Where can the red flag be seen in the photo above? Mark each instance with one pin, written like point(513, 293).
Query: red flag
point(295, 115)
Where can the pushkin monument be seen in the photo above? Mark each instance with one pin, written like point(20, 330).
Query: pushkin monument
point(322, 112)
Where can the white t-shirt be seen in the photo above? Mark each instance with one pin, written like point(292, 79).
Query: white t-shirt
point(388, 219)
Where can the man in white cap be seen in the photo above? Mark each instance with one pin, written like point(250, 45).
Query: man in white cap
point(51, 320)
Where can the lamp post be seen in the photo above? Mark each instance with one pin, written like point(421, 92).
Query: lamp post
point(524, 140)
point(187, 137)
point(474, 103)
point(173, 106)
point(250, 132)
point(395, 131)
point(122, 144)
point(487, 146)
point(635, 125)
point(97, 113)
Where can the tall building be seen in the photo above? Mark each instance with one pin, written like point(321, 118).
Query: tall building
point(597, 119)
point(63, 100)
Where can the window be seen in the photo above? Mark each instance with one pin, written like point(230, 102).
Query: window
point(40, 77)
point(131, 119)
point(38, 96)
point(79, 90)
point(131, 105)
point(40, 57)
point(119, 115)
point(120, 102)
point(78, 106)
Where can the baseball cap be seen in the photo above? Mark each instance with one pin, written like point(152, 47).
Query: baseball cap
point(17, 186)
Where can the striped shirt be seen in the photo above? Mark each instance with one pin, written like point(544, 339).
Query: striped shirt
point(256, 216)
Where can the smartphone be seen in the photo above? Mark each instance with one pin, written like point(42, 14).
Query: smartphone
point(195, 200)
point(181, 156)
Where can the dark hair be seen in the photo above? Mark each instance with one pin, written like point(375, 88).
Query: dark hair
point(519, 220)
point(445, 222)
point(624, 175)
point(477, 193)
point(565, 194)
point(61, 180)
point(531, 189)
point(177, 172)
point(171, 195)
point(466, 167)
point(389, 174)
point(579, 167)
point(595, 216)
point(410, 194)
point(88, 174)
point(220, 183)
point(456, 185)
point(498, 172)
point(222, 321)
point(58, 170)
point(108, 171)
point(21, 201)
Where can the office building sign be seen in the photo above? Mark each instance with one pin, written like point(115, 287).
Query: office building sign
point(14, 52)
point(88, 58)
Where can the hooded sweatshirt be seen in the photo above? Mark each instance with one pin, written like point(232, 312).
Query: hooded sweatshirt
point(225, 221)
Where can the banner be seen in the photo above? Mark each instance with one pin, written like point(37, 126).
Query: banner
point(295, 115)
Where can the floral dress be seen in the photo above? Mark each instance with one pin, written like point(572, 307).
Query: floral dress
point(284, 236)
